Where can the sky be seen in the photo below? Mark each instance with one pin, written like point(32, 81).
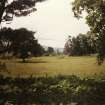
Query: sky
point(53, 21)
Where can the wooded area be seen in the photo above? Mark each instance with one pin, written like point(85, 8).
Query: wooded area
point(66, 79)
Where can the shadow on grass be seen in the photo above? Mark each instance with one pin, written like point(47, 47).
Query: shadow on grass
point(27, 61)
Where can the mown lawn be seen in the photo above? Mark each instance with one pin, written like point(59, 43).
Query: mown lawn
point(59, 65)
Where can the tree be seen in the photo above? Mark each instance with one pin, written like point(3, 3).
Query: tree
point(19, 42)
point(68, 46)
point(12, 40)
point(38, 50)
point(23, 37)
point(50, 50)
point(24, 53)
point(5, 40)
point(95, 19)
point(92, 41)
point(76, 46)
point(10, 8)
point(80, 45)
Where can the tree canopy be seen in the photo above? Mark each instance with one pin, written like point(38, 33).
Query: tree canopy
point(10, 8)
point(19, 41)
point(83, 44)
point(95, 18)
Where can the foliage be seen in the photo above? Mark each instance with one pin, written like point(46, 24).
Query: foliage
point(95, 19)
point(68, 46)
point(10, 8)
point(80, 45)
point(50, 51)
point(19, 41)
point(52, 90)
point(38, 50)
point(24, 53)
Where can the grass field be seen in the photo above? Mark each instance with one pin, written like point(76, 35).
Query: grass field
point(81, 66)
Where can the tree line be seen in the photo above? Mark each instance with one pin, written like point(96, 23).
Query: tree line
point(95, 16)
point(21, 43)
point(82, 44)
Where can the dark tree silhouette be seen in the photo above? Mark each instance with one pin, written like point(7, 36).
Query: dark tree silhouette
point(19, 42)
point(22, 37)
point(38, 50)
point(10, 8)
point(24, 53)
point(50, 50)
point(12, 40)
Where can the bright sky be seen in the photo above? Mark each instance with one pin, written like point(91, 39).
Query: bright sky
point(53, 21)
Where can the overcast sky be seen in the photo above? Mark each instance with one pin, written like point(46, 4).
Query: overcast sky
point(53, 21)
